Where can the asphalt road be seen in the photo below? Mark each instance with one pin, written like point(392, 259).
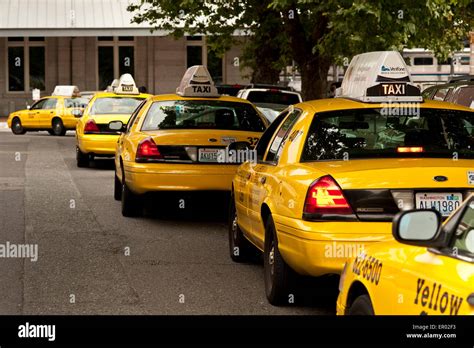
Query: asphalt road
point(91, 260)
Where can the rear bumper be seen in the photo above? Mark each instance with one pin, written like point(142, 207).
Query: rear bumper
point(98, 144)
point(150, 177)
point(319, 248)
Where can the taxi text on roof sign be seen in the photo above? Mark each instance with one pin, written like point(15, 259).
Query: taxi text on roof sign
point(197, 82)
point(126, 85)
point(66, 91)
point(376, 77)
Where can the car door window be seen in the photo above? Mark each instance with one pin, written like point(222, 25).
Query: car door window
point(277, 144)
point(465, 96)
point(39, 105)
point(267, 136)
point(134, 115)
point(50, 103)
point(440, 94)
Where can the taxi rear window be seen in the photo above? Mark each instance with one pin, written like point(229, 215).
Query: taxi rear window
point(114, 105)
point(374, 133)
point(202, 114)
point(273, 97)
point(75, 102)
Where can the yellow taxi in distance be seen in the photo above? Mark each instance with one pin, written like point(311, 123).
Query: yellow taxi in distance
point(94, 138)
point(56, 114)
point(183, 141)
point(428, 270)
point(331, 174)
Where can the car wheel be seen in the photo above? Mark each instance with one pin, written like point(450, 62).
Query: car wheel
point(241, 250)
point(50, 131)
point(17, 128)
point(82, 158)
point(58, 127)
point(131, 204)
point(117, 188)
point(361, 306)
point(278, 275)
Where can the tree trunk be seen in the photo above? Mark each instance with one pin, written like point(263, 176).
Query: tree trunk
point(314, 75)
point(264, 73)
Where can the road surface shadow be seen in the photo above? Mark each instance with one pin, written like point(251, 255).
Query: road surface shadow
point(189, 206)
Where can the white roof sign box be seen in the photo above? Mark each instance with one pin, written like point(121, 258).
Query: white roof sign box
point(126, 85)
point(376, 77)
point(66, 91)
point(197, 82)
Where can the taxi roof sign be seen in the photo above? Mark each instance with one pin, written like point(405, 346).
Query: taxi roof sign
point(376, 77)
point(126, 85)
point(197, 82)
point(66, 91)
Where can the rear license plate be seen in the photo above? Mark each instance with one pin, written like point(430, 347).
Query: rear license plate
point(208, 155)
point(443, 202)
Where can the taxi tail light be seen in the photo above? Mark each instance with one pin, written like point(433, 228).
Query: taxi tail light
point(148, 151)
point(325, 196)
point(91, 127)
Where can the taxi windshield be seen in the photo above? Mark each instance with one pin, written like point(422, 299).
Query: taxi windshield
point(266, 98)
point(202, 114)
point(376, 133)
point(114, 105)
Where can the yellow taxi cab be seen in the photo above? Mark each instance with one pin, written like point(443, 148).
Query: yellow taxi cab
point(331, 174)
point(94, 138)
point(183, 141)
point(56, 114)
point(429, 269)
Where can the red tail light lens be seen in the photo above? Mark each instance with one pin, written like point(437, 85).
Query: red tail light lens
point(91, 127)
point(325, 197)
point(147, 150)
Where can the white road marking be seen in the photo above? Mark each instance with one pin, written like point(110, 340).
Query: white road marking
point(4, 127)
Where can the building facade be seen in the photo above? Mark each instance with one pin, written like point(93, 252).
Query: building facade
point(88, 44)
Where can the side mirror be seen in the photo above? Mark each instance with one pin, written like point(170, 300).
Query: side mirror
point(238, 152)
point(417, 227)
point(116, 126)
point(239, 145)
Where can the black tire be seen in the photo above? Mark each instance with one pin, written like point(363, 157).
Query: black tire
point(361, 306)
point(17, 128)
point(131, 203)
point(50, 131)
point(117, 188)
point(240, 249)
point(82, 158)
point(58, 127)
point(278, 275)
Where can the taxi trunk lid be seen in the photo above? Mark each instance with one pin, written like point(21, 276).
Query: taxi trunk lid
point(199, 145)
point(377, 189)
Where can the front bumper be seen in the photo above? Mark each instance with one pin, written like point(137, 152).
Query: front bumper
point(150, 177)
point(319, 248)
point(98, 144)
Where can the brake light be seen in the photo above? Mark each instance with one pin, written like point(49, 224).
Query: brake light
point(325, 197)
point(410, 149)
point(91, 127)
point(147, 150)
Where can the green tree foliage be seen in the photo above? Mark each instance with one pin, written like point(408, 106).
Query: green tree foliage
point(315, 34)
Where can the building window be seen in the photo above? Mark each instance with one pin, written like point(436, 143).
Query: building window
point(26, 65)
point(193, 55)
point(423, 61)
point(116, 56)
